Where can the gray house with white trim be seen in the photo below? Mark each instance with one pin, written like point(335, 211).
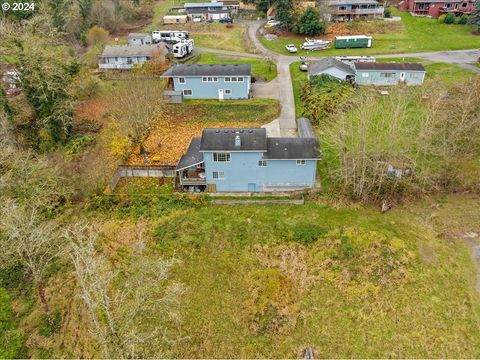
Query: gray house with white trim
point(127, 56)
point(212, 81)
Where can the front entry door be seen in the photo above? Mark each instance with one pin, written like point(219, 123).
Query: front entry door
point(220, 94)
point(251, 187)
point(402, 76)
point(211, 188)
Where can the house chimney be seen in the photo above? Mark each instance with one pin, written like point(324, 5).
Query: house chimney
point(238, 141)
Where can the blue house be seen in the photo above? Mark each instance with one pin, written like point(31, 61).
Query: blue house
point(393, 73)
point(215, 81)
point(246, 160)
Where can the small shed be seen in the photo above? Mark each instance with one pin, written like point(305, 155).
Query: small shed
point(351, 42)
point(175, 19)
point(331, 67)
point(139, 39)
point(173, 97)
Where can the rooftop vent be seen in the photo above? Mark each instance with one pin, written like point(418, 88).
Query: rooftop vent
point(238, 141)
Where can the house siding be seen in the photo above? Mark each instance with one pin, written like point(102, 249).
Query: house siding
point(242, 171)
point(121, 62)
point(209, 90)
point(375, 77)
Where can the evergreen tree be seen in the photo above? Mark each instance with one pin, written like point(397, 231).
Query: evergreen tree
point(474, 18)
point(284, 13)
point(310, 23)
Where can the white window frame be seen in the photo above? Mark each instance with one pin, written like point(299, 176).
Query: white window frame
point(228, 91)
point(191, 92)
point(181, 80)
point(262, 163)
point(220, 175)
point(240, 79)
point(301, 162)
point(209, 79)
point(365, 74)
point(227, 79)
point(227, 156)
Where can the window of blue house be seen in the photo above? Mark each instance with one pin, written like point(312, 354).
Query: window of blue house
point(228, 92)
point(218, 175)
point(262, 163)
point(300, 162)
point(181, 80)
point(187, 92)
point(221, 157)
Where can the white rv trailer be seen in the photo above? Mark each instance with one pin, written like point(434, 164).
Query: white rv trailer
point(182, 48)
point(169, 36)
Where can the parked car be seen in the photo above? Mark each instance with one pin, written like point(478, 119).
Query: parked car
point(226, 20)
point(272, 23)
point(291, 48)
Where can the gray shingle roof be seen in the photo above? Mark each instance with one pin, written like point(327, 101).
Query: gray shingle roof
point(131, 50)
point(209, 70)
point(389, 66)
point(193, 155)
point(224, 140)
point(138, 35)
point(351, 2)
point(204, 4)
point(201, 11)
point(292, 148)
point(305, 129)
point(326, 63)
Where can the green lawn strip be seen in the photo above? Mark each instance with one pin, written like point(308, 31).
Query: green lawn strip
point(298, 77)
point(418, 34)
point(255, 110)
point(426, 308)
point(260, 68)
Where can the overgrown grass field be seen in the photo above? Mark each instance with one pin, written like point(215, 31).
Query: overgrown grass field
point(417, 34)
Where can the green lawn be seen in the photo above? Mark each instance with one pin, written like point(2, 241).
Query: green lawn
point(260, 68)
point(298, 77)
point(417, 34)
point(254, 110)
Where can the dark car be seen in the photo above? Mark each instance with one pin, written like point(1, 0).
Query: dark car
point(226, 20)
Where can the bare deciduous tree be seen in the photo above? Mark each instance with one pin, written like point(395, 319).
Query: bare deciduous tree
point(135, 303)
point(26, 239)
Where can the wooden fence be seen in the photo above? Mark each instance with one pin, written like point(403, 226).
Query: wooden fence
point(141, 171)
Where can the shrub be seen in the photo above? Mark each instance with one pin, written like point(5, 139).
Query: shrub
point(449, 18)
point(441, 19)
point(97, 35)
point(387, 13)
point(463, 19)
point(310, 23)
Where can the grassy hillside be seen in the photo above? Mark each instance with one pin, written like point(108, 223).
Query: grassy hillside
point(267, 281)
